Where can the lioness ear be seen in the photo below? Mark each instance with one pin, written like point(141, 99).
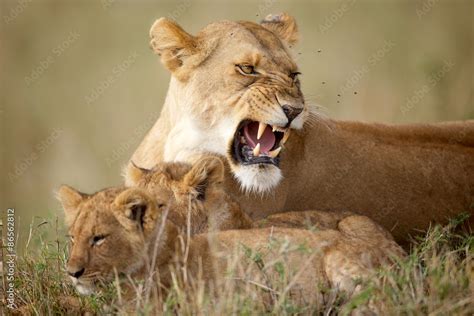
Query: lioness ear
point(70, 200)
point(138, 208)
point(134, 174)
point(174, 45)
point(283, 25)
point(206, 172)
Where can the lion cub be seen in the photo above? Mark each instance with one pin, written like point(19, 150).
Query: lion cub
point(130, 231)
point(194, 193)
point(187, 188)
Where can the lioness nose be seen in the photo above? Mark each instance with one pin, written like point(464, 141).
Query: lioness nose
point(291, 112)
point(75, 273)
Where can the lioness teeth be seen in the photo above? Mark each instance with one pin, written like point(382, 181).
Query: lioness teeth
point(256, 150)
point(285, 137)
point(274, 153)
point(261, 129)
point(278, 129)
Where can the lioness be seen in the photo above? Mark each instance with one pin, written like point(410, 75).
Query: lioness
point(235, 92)
point(116, 231)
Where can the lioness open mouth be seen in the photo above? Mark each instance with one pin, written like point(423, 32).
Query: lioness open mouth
point(258, 143)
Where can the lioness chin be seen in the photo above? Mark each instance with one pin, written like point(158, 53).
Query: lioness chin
point(235, 92)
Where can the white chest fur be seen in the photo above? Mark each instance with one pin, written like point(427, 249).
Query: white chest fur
point(189, 137)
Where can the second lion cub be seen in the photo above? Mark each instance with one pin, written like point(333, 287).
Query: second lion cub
point(200, 188)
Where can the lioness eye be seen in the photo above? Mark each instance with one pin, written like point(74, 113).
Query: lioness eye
point(246, 69)
point(71, 238)
point(97, 240)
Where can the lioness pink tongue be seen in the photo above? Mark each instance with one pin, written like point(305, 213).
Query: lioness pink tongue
point(267, 141)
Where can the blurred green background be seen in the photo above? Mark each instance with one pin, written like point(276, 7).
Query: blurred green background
point(80, 86)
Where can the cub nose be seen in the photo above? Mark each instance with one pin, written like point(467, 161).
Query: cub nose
point(76, 273)
point(291, 112)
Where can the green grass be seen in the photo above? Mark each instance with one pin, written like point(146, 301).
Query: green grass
point(436, 278)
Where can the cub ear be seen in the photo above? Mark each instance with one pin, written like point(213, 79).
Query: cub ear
point(174, 45)
point(283, 25)
point(135, 208)
point(70, 200)
point(134, 174)
point(204, 173)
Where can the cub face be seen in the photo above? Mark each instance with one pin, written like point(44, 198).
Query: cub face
point(111, 230)
point(108, 232)
point(197, 188)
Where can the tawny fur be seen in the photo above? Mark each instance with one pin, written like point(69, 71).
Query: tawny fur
point(169, 183)
point(405, 177)
point(343, 249)
point(194, 194)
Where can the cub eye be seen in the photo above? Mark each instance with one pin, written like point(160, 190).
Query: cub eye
point(294, 75)
point(246, 69)
point(71, 238)
point(161, 203)
point(97, 240)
